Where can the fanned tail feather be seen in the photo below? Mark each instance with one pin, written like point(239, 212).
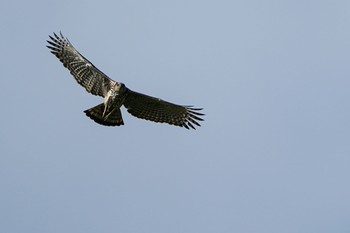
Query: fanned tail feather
point(113, 119)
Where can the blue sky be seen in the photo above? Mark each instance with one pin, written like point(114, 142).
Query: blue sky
point(272, 155)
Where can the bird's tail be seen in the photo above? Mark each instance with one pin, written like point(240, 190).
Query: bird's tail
point(113, 119)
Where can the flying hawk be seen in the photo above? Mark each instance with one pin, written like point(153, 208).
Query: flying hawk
point(116, 94)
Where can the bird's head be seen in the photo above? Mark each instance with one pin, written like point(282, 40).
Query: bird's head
point(118, 89)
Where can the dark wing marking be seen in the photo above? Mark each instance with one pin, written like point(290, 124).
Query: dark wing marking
point(86, 74)
point(157, 110)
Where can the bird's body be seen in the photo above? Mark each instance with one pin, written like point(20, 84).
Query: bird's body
point(114, 99)
point(116, 94)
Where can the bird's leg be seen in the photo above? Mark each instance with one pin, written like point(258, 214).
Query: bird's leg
point(107, 111)
point(104, 111)
point(106, 117)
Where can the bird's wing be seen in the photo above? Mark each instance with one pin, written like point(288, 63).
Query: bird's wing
point(157, 110)
point(86, 74)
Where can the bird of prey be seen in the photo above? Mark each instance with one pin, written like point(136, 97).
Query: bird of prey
point(116, 94)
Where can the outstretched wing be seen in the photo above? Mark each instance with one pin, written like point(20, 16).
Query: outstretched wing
point(157, 110)
point(86, 74)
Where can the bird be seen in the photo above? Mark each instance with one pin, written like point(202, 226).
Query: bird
point(116, 94)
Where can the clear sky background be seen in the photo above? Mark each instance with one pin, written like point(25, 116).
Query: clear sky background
point(273, 154)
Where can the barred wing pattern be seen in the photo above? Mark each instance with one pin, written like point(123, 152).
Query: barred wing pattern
point(86, 74)
point(157, 110)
